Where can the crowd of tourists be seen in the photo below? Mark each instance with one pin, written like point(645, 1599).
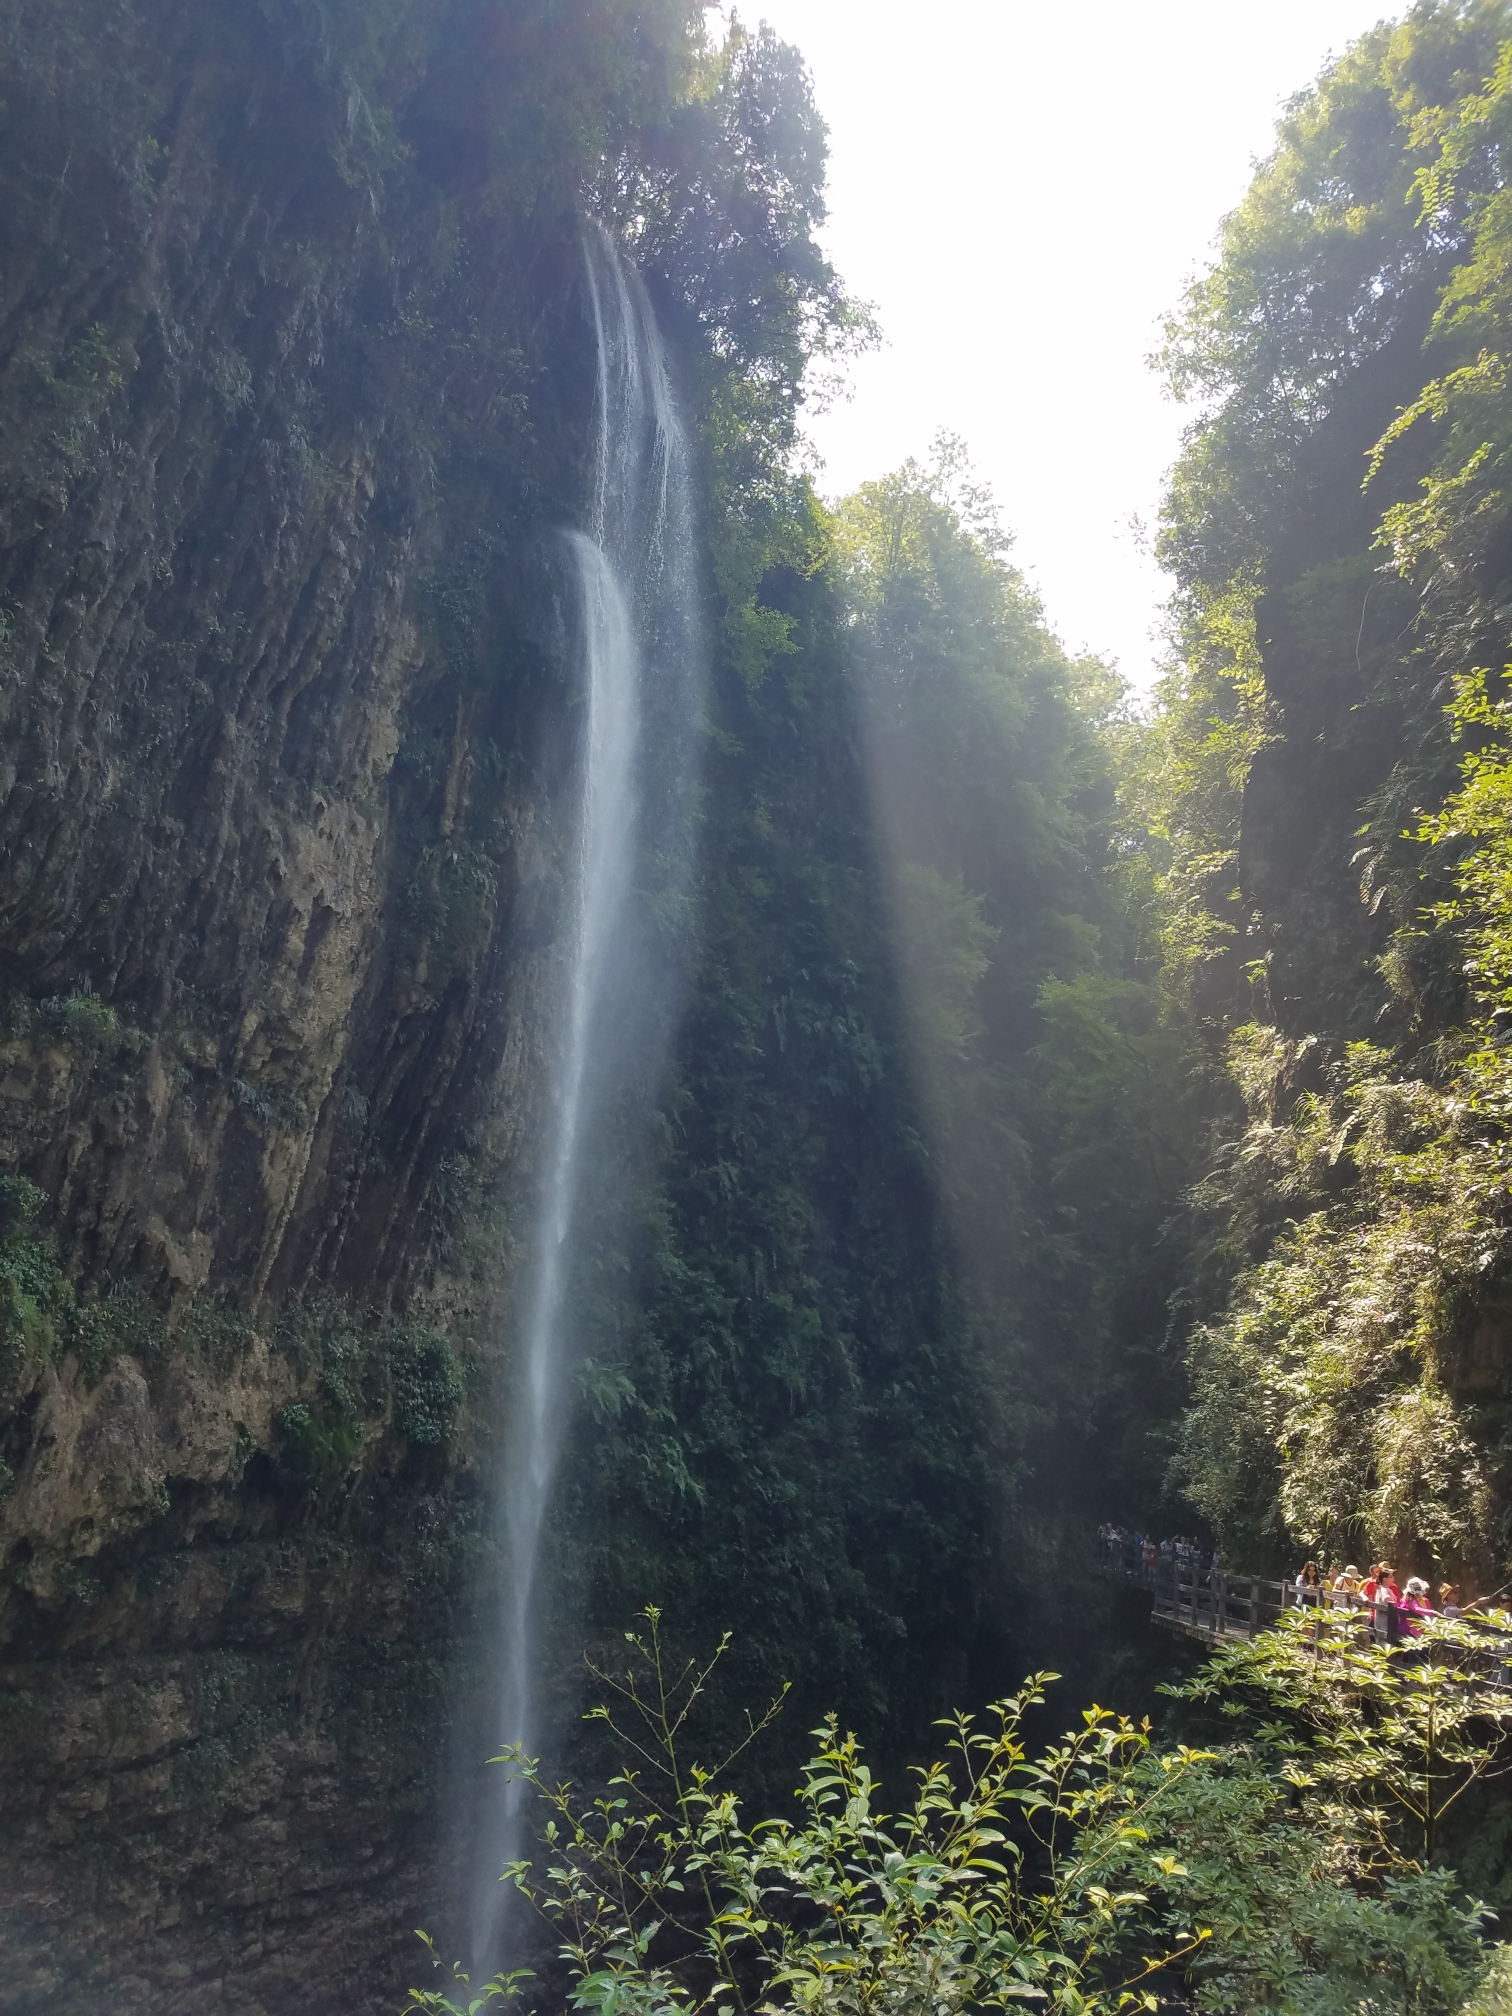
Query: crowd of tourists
point(1396, 1608)
point(1141, 1554)
point(1380, 1591)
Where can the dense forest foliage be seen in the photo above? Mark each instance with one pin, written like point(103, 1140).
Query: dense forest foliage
point(1079, 1108)
point(1204, 1005)
point(878, 1267)
point(1321, 785)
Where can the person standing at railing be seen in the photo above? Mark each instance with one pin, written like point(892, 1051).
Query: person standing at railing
point(1345, 1587)
point(1449, 1599)
point(1384, 1596)
point(1415, 1603)
point(1368, 1590)
point(1309, 1584)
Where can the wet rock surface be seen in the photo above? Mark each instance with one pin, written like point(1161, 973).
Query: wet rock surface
point(221, 1764)
point(279, 738)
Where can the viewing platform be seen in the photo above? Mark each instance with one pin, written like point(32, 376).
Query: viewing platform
point(1195, 1597)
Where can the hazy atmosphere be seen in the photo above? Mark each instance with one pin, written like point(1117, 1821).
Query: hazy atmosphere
point(1024, 194)
point(755, 970)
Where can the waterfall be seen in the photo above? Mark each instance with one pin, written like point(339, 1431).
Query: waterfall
point(634, 589)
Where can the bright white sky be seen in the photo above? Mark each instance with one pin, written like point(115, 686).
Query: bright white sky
point(1022, 187)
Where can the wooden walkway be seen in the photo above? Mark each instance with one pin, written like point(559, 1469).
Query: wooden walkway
point(1209, 1604)
point(1216, 1605)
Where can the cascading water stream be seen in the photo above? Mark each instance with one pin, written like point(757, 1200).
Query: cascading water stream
point(638, 626)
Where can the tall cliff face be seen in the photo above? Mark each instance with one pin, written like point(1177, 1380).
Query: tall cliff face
point(266, 697)
point(296, 387)
point(285, 425)
point(296, 391)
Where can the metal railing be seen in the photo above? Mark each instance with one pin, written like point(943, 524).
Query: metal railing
point(1193, 1594)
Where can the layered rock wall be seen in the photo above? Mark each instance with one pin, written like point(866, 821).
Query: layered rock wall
point(287, 416)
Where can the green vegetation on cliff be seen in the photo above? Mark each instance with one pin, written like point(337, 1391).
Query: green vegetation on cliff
point(1073, 1111)
point(821, 1400)
point(1325, 773)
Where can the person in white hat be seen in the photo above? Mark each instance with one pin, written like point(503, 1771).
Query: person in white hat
point(1343, 1589)
point(1416, 1602)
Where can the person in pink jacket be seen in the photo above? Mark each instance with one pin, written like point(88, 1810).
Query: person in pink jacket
point(1415, 1603)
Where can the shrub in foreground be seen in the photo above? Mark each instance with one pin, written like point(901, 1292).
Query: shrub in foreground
point(1289, 1869)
